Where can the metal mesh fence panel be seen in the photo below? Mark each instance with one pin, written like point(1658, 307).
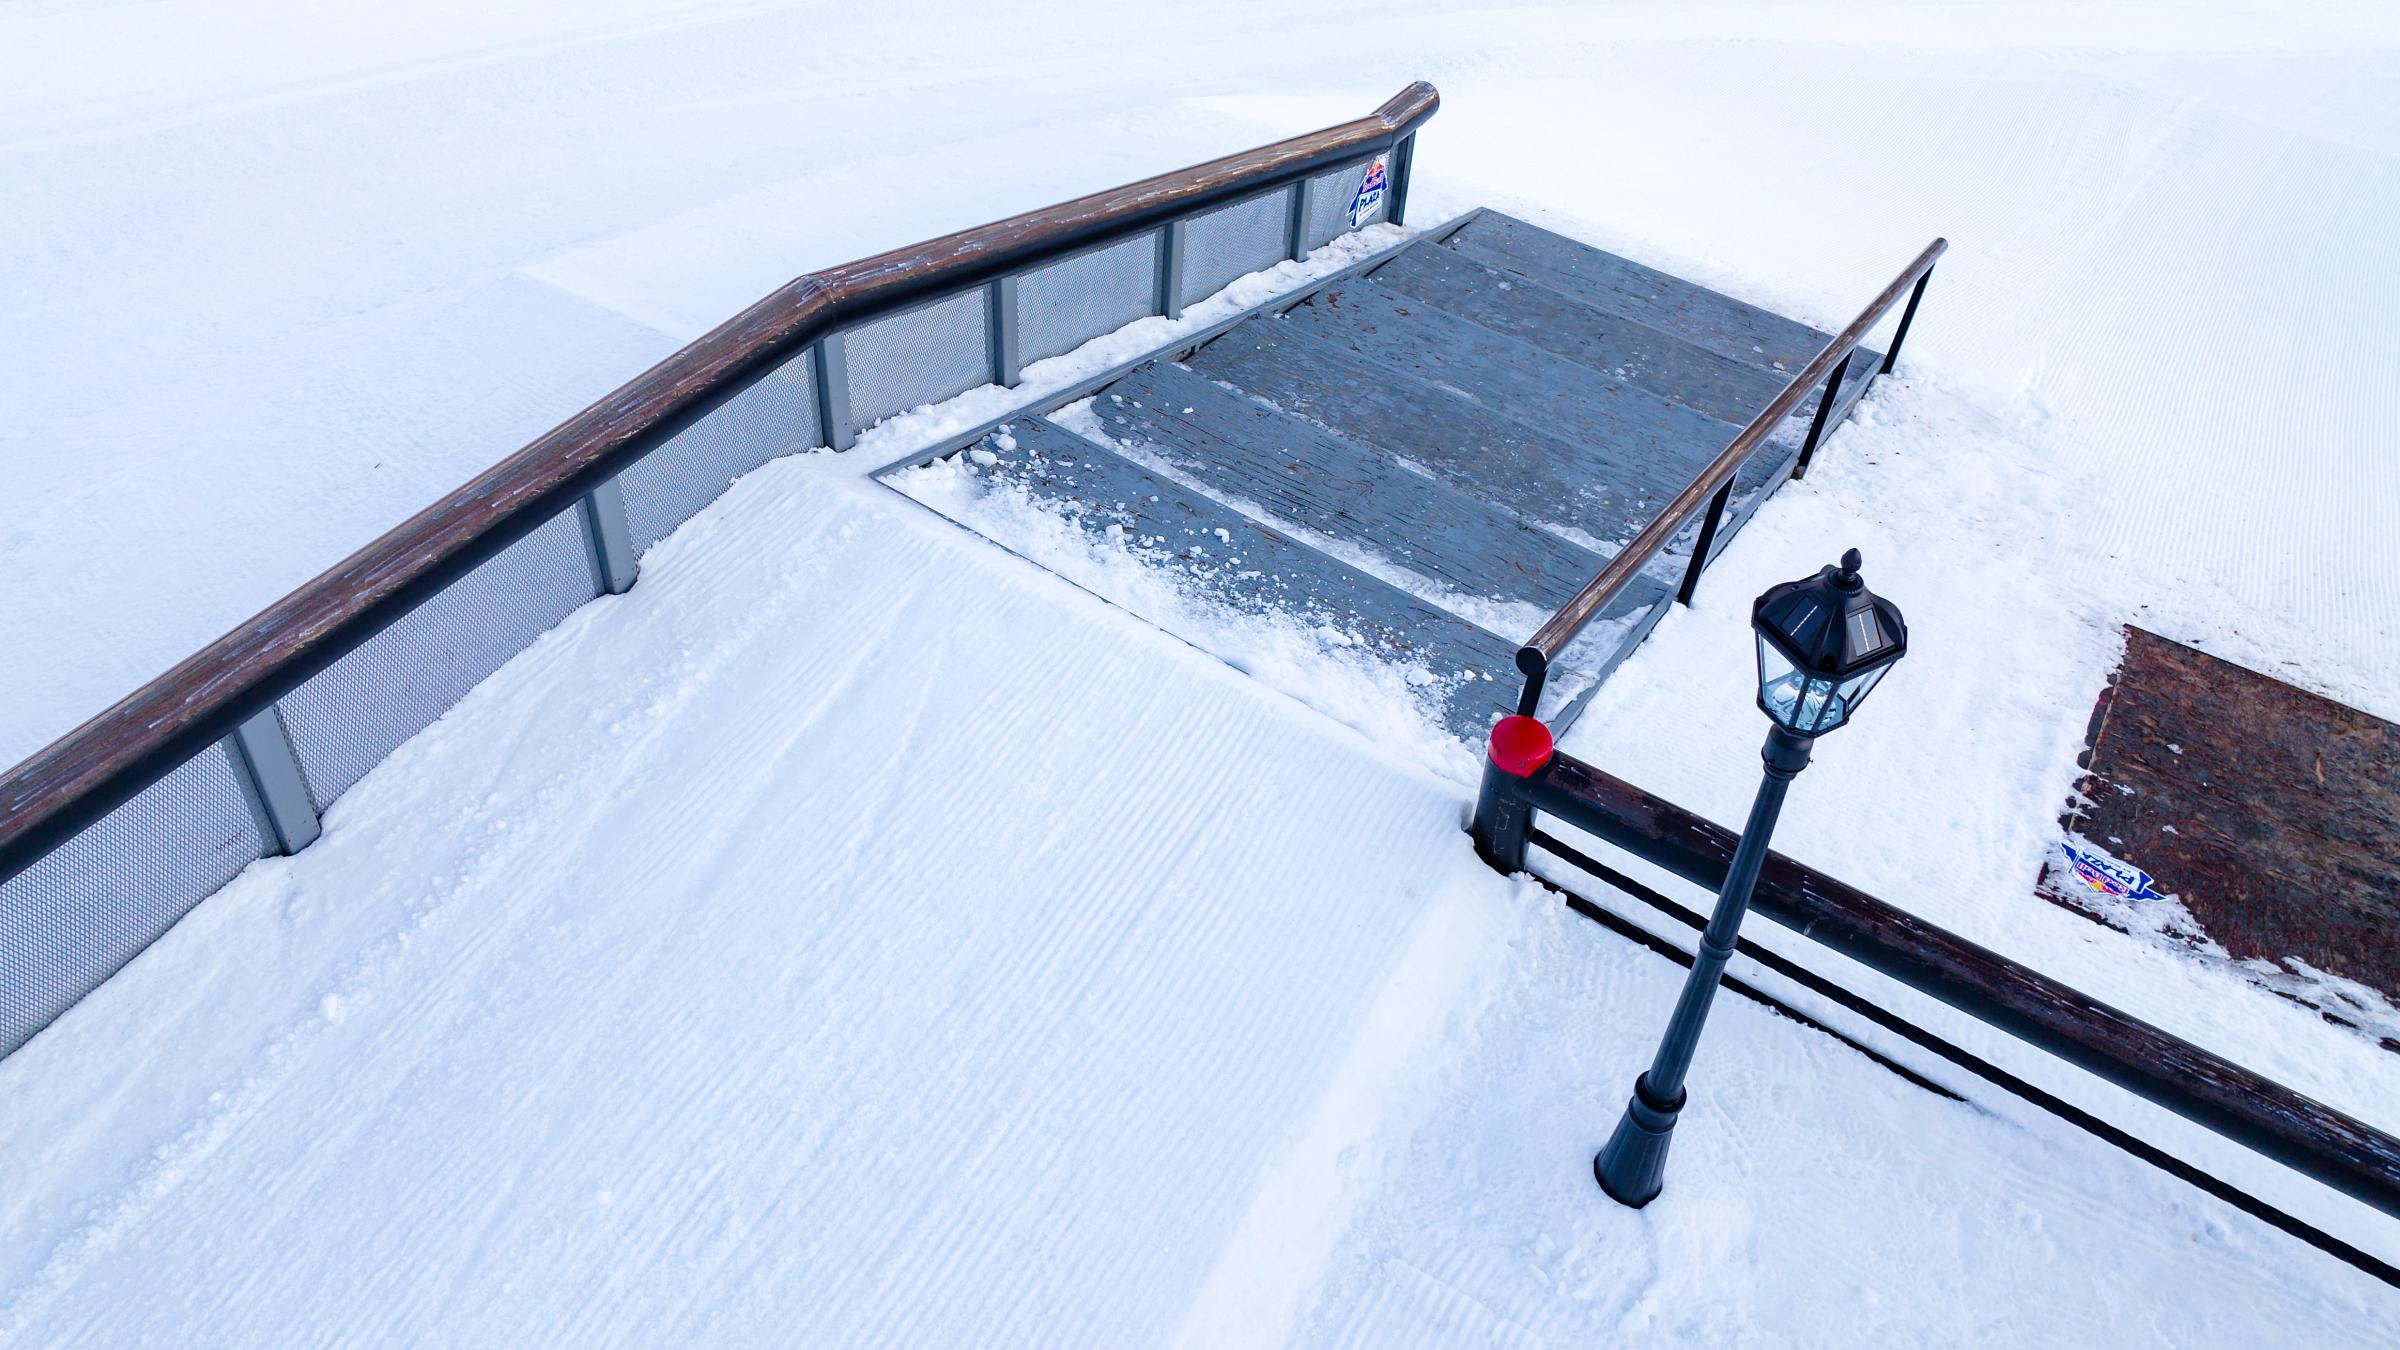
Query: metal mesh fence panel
point(347, 717)
point(1068, 303)
point(775, 416)
point(71, 920)
point(920, 356)
point(1329, 199)
point(1234, 241)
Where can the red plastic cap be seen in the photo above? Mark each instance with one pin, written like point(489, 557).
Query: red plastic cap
point(1520, 745)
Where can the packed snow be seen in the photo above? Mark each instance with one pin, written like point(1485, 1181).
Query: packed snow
point(820, 945)
point(857, 934)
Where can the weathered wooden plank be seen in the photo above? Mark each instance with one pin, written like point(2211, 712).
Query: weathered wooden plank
point(1506, 462)
point(1621, 286)
point(1252, 567)
point(1643, 550)
point(1635, 430)
point(2278, 830)
point(1300, 473)
point(1613, 344)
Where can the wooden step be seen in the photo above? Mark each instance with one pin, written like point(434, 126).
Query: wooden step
point(1542, 269)
point(1296, 472)
point(1508, 303)
point(1479, 450)
point(1640, 435)
point(1178, 530)
point(1696, 314)
point(1431, 458)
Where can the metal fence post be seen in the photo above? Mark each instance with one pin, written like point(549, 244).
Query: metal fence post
point(1170, 269)
point(613, 565)
point(1295, 231)
point(1402, 153)
point(1535, 667)
point(262, 750)
point(833, 392)
point(1700, 546)
point(1001, 295)
point(1816, 427)
point(1907, 317)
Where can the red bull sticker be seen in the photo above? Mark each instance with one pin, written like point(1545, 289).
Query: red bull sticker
point(2108, 875)
point(1369, 195)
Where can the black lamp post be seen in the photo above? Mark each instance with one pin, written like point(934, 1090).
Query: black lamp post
point(1822, 644)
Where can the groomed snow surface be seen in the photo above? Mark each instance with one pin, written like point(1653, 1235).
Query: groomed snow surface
point(822, 946)
point(857, 935)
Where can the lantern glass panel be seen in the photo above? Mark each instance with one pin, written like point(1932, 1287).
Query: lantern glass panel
point(1856, 687)
point(1774, 671)
point(1820, 708)
point(1796, 700)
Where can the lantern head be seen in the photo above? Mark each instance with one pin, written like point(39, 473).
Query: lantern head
point(1823, 642)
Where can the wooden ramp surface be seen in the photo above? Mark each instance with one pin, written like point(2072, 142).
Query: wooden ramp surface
point(1435, 453)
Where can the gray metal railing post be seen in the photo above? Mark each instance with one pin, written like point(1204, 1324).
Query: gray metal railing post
point(1816, 426)
point(1700, 546)
point(1907, 317)
point(833, 392)
point(1295, 229)
point(1170, 269)
point(1001, 296)
point(614, 567)
point(278, 795)
point(1398, 172)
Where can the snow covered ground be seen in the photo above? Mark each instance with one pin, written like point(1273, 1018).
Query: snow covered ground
point(276, 276)
point(822, 945)
point(945, 956)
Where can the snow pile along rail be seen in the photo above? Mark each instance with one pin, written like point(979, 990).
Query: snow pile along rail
point(114, 831)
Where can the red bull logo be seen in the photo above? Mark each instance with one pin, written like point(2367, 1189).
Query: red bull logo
point(2109, 876)
point(1369, 195)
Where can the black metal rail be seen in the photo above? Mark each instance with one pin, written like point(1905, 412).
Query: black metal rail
point(1818, 985)
point(1714, 485)
point(2298, 1131)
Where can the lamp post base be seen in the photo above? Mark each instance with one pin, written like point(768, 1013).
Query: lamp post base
point(1632, 1168)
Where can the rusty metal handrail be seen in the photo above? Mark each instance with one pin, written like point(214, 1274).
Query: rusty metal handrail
point(1716, 481)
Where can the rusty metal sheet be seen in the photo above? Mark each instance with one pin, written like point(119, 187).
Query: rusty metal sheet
point(2272, 813)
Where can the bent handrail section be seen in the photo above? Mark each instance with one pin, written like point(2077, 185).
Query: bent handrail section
point(1715, 483)
point(112, 833)
point(2315, 1139)
point(204, 699)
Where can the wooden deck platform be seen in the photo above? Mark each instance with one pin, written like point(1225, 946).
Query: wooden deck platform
point(2271, 812)
point(1436, 450)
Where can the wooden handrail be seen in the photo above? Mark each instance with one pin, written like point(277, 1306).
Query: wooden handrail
point(1552, 637)
point(99, 765)
point(2335, 1148)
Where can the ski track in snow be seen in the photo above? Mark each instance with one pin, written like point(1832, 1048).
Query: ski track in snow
point(861, 1017)
point(867, 1034)
point(1793, 1235)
